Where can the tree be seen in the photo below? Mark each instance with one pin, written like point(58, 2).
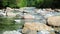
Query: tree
point(38, 3)
point(56, 3)
point(48, 3)
point(30, 3)
point(1, 6)
point(4, 3)
point(12, 3)
point(21, 3)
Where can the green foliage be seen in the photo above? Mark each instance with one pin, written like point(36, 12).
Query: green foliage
point(9, 3)
point(21, 3)
point(4, 2)
point(12, 3)
point(30, 3)
point(8, 24)
point(38, 3)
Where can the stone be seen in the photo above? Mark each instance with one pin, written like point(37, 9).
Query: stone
point(57, 10)
point(36, 27)
point(49, 14)
point(49, 9)
point(17, 21)
point(28, 16)
point(0, 10)
point(11, 32)
point(42, 12)
point(11, 14)
point(20, 15)
point(8, 9)
point(43, 32)
point(19, 30)
point(52, 32)
point(54, 20)
point(2, 14)
point(28, 9)
point(31, 32)
point(57, 29)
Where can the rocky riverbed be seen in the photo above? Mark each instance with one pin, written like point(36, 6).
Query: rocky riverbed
point(36, 21)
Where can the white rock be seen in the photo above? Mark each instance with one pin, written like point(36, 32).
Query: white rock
point(48, 15)
point(42, 12)
point(1, 13)
point(18, 21)
point(43, 32)
point(11, 32)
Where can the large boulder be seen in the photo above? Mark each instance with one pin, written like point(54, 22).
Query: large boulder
point(54, 20)
point(8, 9)
point(35, 27)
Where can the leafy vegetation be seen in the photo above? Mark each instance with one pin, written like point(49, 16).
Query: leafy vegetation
point(29, 3)
point(8, 24)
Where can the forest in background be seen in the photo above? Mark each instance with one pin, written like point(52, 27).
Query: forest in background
point(30, 3)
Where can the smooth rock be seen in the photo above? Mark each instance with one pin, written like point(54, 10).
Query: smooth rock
point(8, 9)
point(54, 20)
point(36, 27)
